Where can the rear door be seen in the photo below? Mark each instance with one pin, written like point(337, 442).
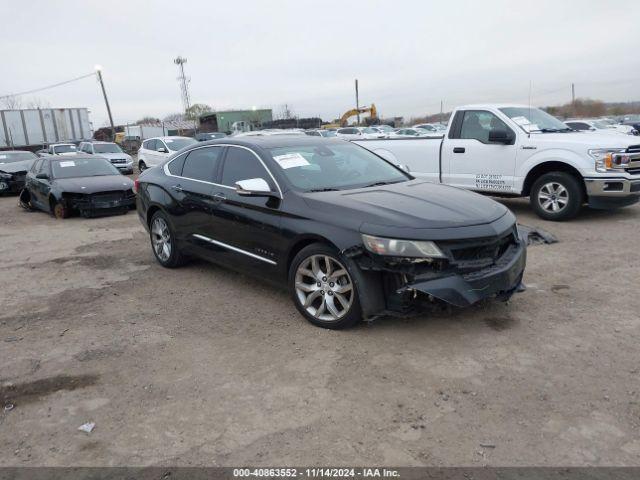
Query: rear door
point(470, 160)
point(191, 185)
point(247, 229)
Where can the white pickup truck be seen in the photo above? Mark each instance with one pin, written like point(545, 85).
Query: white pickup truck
point(520, 151)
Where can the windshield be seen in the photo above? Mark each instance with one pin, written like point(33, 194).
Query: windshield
point(385, 128)
point(176, 144)
point(370, 130)
point(106, 148)
point(64, 148)
point(328, 133)
point(600, 125)
point(534, 120)
point(82, 167)
point(334, 167)
point(16, 157)
point(426, 127)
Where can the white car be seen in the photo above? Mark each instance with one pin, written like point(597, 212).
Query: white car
point(110, 151)
point(59, 149)
point(359, 133)
point(154, 151)
point(413, 132)
point(432, 128)
point(594, 126)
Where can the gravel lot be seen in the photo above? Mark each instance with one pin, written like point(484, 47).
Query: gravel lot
point(204, 366)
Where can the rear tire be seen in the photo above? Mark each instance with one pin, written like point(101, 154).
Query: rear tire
point(322, 287)
point(163, 242)
point(556, 196)
point(142, 166)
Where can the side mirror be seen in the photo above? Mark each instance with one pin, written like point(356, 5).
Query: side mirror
point(162, 150)
point(403, 167)
point(254, 187)
point(42, 176)
point(500, 136)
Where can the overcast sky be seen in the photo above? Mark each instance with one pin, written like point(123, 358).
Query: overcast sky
point(407, 55)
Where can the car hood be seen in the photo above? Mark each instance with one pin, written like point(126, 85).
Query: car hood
point(406, 207)
point(587, 140)
point(101, 183)
point(112, 156)
point(15, 167)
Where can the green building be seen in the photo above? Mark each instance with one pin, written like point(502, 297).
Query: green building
point(244, 120)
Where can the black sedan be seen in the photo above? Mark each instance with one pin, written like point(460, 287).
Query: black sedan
point(88, 185)
point(352, 235)
point(14, 165)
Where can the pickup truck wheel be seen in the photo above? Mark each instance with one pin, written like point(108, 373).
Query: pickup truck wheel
point(556, 196)
point(322, 286)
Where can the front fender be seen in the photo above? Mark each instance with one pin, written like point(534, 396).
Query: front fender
point(560, 155)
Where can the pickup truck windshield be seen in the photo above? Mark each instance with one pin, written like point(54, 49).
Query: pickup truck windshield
point(534, 120)
point(325, 167)
point(106, 148)
point(82, 167)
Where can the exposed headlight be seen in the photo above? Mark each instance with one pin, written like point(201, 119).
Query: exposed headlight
point(5, 175)
point(603, 158)
point(402, 248)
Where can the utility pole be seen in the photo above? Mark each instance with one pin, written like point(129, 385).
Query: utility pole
point(573, 94)
point(441, 110)
point(357, 102)
point(184, 82)
point(106, 101)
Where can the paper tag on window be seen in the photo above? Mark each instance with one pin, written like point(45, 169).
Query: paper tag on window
point(3, 156)
point(521, 121)
point(67, 164)
point(291, 160)
point(168, 140)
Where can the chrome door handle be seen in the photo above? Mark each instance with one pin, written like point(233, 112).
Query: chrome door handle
point(177, 188)
point(219, 197)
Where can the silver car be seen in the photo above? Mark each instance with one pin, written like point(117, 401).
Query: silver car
point(110, 151)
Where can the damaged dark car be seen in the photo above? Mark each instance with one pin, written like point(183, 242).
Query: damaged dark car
point(85, 185)
point(14, 165)
point(351, 235)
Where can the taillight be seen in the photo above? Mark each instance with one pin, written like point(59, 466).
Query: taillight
point(136, 183)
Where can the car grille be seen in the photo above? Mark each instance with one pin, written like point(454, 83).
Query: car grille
point(633, 149)
point(480, 251)
point(119, 160)
point(106, 197)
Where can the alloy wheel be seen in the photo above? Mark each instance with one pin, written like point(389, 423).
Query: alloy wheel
point(161, 239)
point(324, 287)
point(553, 197)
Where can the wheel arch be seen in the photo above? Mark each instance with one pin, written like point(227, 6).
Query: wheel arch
point(548, 167)
point(302, 242)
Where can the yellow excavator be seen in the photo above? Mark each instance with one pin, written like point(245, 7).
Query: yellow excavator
point(373, 113)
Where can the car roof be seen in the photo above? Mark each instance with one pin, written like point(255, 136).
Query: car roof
point(168, 137)
point(99, 142)
point(62, 158)
point(2, 152)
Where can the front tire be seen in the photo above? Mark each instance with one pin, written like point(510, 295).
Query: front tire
point(142, 166)
point(163, 242)
point(321, 284)
point(556, 196)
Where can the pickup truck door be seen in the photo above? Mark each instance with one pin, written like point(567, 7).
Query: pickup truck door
point(471, 160)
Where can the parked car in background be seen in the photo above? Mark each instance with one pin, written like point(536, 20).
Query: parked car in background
point(412, 132)
point(595, 126)
point(269, 132)
point(320, 133)
point(203, 137)
point(350, 234)
point(432, 128)
point(59, 149)
point(110, 151)
point(85, 184)
point(519, 151)
point(353, 133)
point(14, 165)
point(154, 151)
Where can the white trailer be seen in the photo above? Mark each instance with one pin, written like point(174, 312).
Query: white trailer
point(144, 131)
point(37, 127)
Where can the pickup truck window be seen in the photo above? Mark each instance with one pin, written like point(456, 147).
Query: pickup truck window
point(476, 124)
point(534, 120)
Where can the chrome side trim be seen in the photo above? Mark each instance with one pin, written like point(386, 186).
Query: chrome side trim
point(235, 249)
point(166, 166)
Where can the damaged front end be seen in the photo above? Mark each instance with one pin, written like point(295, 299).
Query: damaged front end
point(456, 272)
point(99, 203)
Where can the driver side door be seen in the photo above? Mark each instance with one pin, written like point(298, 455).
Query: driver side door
point(470, 160)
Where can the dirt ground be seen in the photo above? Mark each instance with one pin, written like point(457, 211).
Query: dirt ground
point(204, 366)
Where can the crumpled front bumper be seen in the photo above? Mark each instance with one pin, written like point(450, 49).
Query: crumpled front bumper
point(500, 280)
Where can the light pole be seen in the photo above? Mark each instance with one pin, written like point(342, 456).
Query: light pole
point(106, 100)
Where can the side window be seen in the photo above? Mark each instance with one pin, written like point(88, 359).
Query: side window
point(579, 126)
point(241, 164)
point(202, 164)
point(175, 165)
point(477, 124)
point(36, 166)
point(151, 145)
point(42, 168)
